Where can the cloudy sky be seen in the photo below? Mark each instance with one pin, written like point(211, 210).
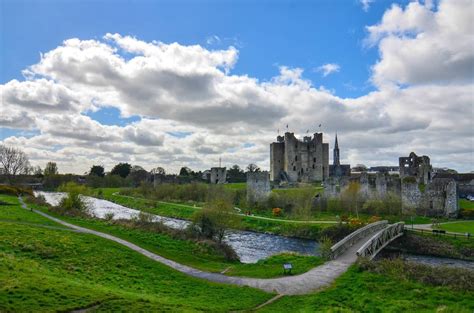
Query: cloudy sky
point(180, 83)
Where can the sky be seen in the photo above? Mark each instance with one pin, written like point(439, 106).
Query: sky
point(186, 83)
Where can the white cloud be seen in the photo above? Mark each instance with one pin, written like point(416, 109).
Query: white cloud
point(366, 4)
point(192, 90)
point(328, 68)
point(421, 45)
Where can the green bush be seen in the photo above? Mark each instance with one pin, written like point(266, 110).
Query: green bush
point(73, 204)
point(14, 191)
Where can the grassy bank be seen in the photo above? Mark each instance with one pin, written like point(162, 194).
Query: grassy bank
point(459, 227)
point(434, 245)
point(364, 291)
point(198, 254)
point(45, 270)
point(183, 211)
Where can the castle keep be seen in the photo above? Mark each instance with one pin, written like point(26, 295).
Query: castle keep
point(293, 160)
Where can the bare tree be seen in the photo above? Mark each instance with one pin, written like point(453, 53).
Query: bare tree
point(158, 170)
point(252, 168)
point(14, 161)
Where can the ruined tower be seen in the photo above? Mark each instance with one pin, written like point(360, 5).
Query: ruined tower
point(293, 160)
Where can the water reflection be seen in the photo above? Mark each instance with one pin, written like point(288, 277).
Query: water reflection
point(249, 246)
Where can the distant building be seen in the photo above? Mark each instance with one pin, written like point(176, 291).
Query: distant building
point(293, 160)
point(218, 175)
point(337, 169)
point(418, 167)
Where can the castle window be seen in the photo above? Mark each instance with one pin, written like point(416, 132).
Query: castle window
point(313, 166)
point(294, 168)
point(296, 145)
point(308, 147)
point(314, 160)
point(296, 158)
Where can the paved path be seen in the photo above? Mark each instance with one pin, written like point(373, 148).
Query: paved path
point(318, 277)
point(240, 214)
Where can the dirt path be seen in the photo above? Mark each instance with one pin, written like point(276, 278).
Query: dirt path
point(318, 277)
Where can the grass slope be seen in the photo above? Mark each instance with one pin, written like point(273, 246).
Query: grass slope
point(361, 291)
point(44, 270)
point(460, 227)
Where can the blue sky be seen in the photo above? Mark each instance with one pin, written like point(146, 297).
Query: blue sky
point(380, 91)
point(303, 34)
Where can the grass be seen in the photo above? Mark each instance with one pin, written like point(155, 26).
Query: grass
point(236, 186)
point(15, 213)
point(182, 211)
point(363, 291)
point(459, 227)
point(466, 204)
point(273, 266)
point(52, 270)
point(199, 255)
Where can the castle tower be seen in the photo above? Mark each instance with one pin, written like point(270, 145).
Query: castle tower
point(336, 160)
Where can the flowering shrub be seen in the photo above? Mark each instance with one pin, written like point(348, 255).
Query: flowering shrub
point(353, 221)
point(276, 211)
point(373, 219)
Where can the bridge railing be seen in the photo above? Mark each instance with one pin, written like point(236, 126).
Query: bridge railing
point(375, 244)
point(344, 244)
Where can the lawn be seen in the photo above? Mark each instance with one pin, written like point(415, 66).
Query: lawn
point(466, 204)
point(362, 291)
point(459, 227)
point(44, 270)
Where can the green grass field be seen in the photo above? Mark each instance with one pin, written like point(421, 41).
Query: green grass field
point(459, 227)
point(55, 270)
point(361, 291)
point(466, 204)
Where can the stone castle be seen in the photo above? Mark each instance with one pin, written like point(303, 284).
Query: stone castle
point(293, 160)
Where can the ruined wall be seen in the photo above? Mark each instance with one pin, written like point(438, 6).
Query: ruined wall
point(381, 185)
point(258, 186)
point(277, 159)
point(218, 175)
point(411, 195)
point(415, 166)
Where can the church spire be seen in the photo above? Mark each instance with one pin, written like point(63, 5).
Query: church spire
point(336, 160)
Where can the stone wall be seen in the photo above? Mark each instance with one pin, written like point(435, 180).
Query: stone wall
point(258, 186)
point(218, 175)
point(411, 196)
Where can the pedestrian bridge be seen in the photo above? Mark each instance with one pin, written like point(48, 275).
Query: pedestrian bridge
point(374, 237)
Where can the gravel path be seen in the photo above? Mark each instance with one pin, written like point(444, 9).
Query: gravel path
point(318, 277)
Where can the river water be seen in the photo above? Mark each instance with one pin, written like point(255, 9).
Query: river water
point(427, 260)
point(249, 246)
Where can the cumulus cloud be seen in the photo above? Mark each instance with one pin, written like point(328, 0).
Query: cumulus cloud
point(177, 89)
point(328, 68)
point(421, 44)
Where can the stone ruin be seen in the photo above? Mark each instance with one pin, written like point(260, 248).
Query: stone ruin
point(258, 186)
point(415, 185)
point(218, 175)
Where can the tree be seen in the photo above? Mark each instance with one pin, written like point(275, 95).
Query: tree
point(352, 196)
point(14, 161)
point(235, 174)
point(253, 168)
point(51, 169)
point(216, 218)
point(138, 174)
point(185, 171)
point(38, 171)
point(97, 170)
point(158, 171)
point(121, 169)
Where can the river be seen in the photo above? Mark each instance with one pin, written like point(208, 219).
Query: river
point(249, 246)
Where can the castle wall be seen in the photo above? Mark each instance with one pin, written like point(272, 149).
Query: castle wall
point(258, 186)
point(411, 196)
point(381, 185)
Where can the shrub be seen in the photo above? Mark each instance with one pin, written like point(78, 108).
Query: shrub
point(276, 211)
point(109, 216)
point(325, 244)
point(467, 214)
point(14, 191)
point(373, 219)
point(337, 232)
point(355, 222)
point(73, 204)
